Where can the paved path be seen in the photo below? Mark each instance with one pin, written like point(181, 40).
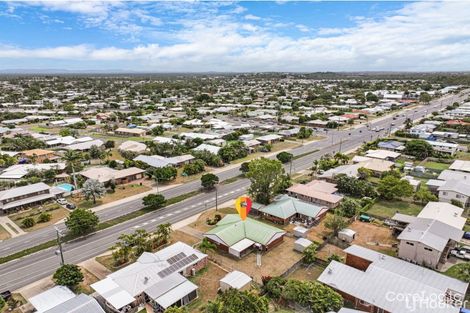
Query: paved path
point(11, 227)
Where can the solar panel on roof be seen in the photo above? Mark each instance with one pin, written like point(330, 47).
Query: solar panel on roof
point(176, 258)
point(178, 265)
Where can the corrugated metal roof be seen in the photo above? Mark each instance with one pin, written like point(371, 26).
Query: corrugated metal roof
point(80, 304)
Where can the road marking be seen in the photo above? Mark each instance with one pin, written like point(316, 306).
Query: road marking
point(136, 226)
point(145, 223)
point(154, 220)
point(179, 211)
point(161, 217)
point(169, 214)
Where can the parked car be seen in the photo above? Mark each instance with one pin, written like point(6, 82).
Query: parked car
point(70, 206)
point(365, 218)
point(461, 254)
point(62, 201)
point(6, 295)
point(466, 235)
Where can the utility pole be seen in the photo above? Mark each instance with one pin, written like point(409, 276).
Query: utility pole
point(59, 243)
point(340, 144)
point(157, 183)
point(290, 168)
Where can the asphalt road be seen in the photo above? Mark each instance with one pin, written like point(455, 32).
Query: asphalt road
point(21, 272)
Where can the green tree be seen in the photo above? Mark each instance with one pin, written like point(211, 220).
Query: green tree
point(2, 303)
point(28, 222)
point(163, 233)
point(391, 187)
point(233, 150)
point(95, 152)
point(157, 131)
point(68, 275)
point(93, 189)
point(349, 207)
point(335, 221)
point(236, 301)
point(418, 148)
point(197, 166)
point(424, 97)
point(456, 203)
point(109, 144)
point(335, 257)
point(209, 180)
point(245, 167)
point(284, 157)
point(73, 162)
point(154, 201)
point(44, 217)
point(164, 174)
point(267, 179)
point(81, 222)
point(310, 253)
point(304, 132)
point(423, 195)
point(206, 246)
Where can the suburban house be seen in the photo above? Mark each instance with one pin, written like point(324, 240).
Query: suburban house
point(269, 139)
point(287, 209)
point(236, 280)
point(18, 171)
point(85, 146)
point(391, 145)
point(460, 165)
point(130, 132)
point(457, 190)
point(158, 161)
point(445, 147)
point(158, 279)
point(376, 166)
point(38, 155)
point(24, 196)
point(106, 174)
point(316, 191)
point(60, 299)
point(382, 154)
point(373, 282)
point(132, 146)
point(427, 238)
point(209, 148)
point(238, 238)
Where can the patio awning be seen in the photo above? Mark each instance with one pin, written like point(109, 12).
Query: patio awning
point(176, 294)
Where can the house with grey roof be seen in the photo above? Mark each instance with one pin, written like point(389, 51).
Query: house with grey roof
point(375, 282)
point(24, 196)
point(158, 279)
point(457, 190)
point(85, 146)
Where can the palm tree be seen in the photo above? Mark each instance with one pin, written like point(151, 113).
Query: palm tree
point(71, 157)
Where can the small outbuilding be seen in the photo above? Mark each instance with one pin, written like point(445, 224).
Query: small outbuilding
point(301, 244)
point(347, 235)
point(300, 232)
point(236, 280)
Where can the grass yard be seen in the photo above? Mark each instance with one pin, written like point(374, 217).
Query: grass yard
point(4, 234)
point(122, 191)
point(436, 165)
point(454, 270)
point(387, 209)
point(463, 156)
point(57, 213)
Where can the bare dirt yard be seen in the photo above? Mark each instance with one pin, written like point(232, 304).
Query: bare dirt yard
point(328, 250)
point(374, 237)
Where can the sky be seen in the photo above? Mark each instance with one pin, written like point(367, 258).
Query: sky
point(203, 36)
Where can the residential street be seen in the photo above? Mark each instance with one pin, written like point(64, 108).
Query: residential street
point(18, 273)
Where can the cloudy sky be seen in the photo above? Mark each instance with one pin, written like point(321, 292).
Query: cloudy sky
point(177, 36)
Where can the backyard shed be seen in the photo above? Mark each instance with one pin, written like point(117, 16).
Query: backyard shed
point(301, 244)
point(347, 235)
point(300, 232)
point(237, 280)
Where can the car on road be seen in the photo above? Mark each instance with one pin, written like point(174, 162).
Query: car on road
point(62, 201)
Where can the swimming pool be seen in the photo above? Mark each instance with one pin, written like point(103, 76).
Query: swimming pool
point(66, 187)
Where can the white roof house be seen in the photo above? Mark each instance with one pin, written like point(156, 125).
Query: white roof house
point(80, 304)
point(155, 274)
point(82, 146)
point(444, 212)
point(132, 146)
point(382, 154)
point(384, 275)
point(210, 148)
point(236, 280)
point(51, 298)
point(18, 171)
point(460, 165)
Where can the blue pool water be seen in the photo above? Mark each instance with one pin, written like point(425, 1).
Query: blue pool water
point(66, 187)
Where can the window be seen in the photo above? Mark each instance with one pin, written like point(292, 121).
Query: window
point(364, 303)
point(410, 243)
point(444, 193)
point(427, 249)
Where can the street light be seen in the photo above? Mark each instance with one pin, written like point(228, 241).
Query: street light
point(59, 243)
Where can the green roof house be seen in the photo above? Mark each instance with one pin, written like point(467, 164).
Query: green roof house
point(287, 209)
point(238, 238)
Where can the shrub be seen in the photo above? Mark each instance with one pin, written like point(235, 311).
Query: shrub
point(28, 222)
point(44, 217)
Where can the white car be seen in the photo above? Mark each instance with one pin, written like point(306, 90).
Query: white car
point(461, 254)
point(62, 201)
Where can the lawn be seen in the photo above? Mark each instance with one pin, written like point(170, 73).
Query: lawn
point(463, 156)
point(56, 211)
point(122, 191)
point(453, 271)
point(436, 165)
point(387, 209)
point(4, 234)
